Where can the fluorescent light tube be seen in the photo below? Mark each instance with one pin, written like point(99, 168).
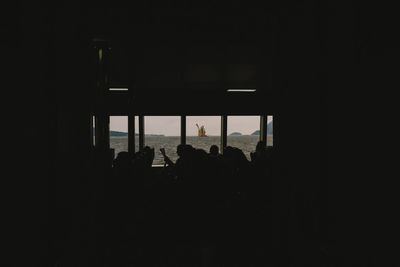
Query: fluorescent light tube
point(118, 89)
point(242, 90)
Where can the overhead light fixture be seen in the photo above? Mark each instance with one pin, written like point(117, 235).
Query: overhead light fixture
point(242, 90)
point(118, 89)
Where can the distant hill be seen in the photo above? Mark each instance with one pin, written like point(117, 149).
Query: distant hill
point(256, 132)
point(118, 134)
point(122, 134)
point(269, 129)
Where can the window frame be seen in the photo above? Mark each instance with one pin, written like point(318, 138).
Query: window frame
point(98, 131)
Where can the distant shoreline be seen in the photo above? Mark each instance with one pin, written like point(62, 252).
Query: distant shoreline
point(126, 136)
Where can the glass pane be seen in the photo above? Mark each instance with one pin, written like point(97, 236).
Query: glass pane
point(162, 132)
point(136, 133)
point(243, 133)
point(94, 130)
point(270, 136)
point(203, 131)
point(119, 134)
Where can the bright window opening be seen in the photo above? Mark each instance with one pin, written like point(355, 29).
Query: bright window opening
point(137, 134)
point(93, 130)
point(119, 134)
point(162, 132)
point(203, 131)
point(243, 133)
point(270, 133)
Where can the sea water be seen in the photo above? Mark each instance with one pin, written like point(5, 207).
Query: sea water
point(247, 143)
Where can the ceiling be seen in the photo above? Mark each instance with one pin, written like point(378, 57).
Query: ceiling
point(207, 46)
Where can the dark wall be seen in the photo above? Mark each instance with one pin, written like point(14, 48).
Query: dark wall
point(47, 205)
point(59, 190)
point(29, 144)
point(359, 77)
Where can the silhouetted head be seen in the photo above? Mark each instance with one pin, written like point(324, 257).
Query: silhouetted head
point(260, 146)
point(269, 150)
point(228, 152)
point(123, 159)
point(180, 149)
point(240, 157)
point(201, 154)
point(148, 156)
point(188, 150)
point(214, 150)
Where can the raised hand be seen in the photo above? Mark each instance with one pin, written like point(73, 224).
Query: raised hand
point(162, 150)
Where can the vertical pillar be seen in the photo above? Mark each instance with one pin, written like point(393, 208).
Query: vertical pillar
point(224, 132)
point(101, 89)
point(263, 128)
point(103, 131)
point(92, 124)
point(102, 120)
point(131, 134)
point(102, 51)
point(141, 132)
point(273, 130)
point(183, 130)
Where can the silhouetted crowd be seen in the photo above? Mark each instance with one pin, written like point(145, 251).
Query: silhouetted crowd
point(201, 200)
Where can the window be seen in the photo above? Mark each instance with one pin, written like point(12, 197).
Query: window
point(203, 131)
point(243, 133)
point(119, 134)
point(137, 134)
point(162, 132)
point(93, 130)
point(270, 136)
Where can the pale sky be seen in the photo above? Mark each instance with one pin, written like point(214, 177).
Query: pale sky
point(170, 125)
